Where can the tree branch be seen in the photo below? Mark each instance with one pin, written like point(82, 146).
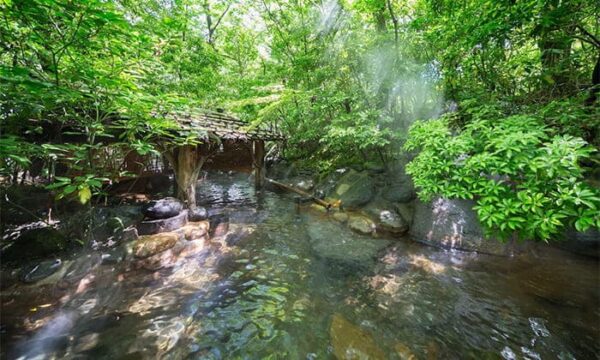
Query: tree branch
point(592, 39)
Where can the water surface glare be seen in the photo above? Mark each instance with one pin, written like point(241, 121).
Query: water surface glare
point(286, 284)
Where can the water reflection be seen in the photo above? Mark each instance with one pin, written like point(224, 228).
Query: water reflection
point(289, 284)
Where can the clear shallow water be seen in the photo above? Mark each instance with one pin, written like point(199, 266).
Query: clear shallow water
point(288, 284)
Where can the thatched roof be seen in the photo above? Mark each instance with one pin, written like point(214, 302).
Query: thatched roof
point(224, 126)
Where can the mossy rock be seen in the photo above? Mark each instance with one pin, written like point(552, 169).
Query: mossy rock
point(354, 189)
point(361, 224)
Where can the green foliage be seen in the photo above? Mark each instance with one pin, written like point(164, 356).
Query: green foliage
point(80, 186)
point(523, 50)
point(525, 181)
point(13, 152)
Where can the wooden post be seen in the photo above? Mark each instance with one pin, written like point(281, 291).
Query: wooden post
point(259, 163)
point(186, 162)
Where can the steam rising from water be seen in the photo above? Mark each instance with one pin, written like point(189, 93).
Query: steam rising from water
point(405, 87)
point(328, 15)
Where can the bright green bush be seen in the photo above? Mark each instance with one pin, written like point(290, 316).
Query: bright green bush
point(526, 184)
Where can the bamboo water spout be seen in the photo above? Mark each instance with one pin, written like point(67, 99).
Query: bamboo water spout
point(321, 202)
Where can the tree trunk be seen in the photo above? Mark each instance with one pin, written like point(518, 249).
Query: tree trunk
point(555, 41)
point(186, 162)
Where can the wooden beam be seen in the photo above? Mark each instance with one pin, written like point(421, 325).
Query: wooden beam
point(259, 163)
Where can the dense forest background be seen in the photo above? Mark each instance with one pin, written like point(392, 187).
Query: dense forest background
point(512, 87)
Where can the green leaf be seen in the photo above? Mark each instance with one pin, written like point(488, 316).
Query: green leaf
point(85, 195)
point(69, 189)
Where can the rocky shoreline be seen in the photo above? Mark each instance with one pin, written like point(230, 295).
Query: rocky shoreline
point(373, 200)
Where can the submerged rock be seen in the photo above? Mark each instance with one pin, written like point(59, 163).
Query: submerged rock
point(340, 216)
point(163, 208)
point(192, 247)
point(197, 214)
point(219, 225)
point(158, 261)
point(171, 256)
point(341, 248)
point(361, 224)
point(195, 230)
point(351, 342)
point(40, 270)
point(149, 245)
point(404, 352)
point(114, 255)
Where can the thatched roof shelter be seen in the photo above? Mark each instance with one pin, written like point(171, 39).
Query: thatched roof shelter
point(187, 160)
point(223, 126)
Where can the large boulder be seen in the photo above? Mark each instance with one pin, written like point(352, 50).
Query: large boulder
point(406, 210)
point(399, 186)
point(163, 208)
point(585, 243)
point(386, 217)
point(401, 191)
point(452, 224)
point(327, 185)
point(354, 189)
point(392, 222)
point(304, 183)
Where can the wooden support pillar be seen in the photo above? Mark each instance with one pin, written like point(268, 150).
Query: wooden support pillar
point(186, 162)
point(259, 163)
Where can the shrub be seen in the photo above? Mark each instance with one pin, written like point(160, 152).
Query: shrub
point(526, 183)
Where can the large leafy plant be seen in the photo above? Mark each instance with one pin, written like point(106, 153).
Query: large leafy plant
point(526, 184)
